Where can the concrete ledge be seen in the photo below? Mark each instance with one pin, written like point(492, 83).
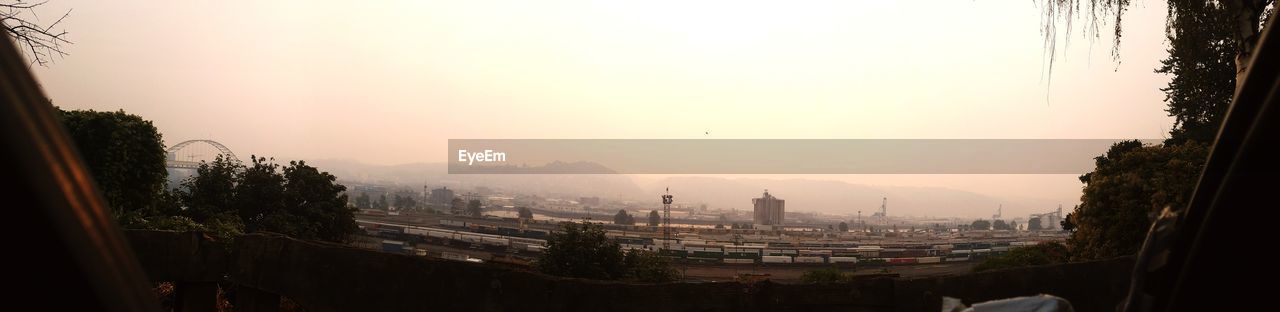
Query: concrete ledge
point(326, 277)
point(330, 277)
point(179, 256)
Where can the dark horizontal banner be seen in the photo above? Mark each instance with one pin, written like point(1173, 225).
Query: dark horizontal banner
point(775, 156)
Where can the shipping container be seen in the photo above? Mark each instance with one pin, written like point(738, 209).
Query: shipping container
point(509, 231)
point(538, 234)
point(845, 252)
point(776, 259)
point(844, 260)
point(929, 260)
point(440, 234)
point(815, 253)
point(493, 241)
point(780, 252)
point(416, 231)
point(470, 238)
point(873, 260)
point(393, 246)
point(809, 259)
point(678, 253)
point(902, 260)
point(739, 261)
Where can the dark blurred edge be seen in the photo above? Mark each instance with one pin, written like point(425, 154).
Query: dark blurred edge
point(1235, 201)
point(65, 248)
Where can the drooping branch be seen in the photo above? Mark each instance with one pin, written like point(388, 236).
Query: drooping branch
point(1096, 13)
point(40, 43)
point(1248, 16)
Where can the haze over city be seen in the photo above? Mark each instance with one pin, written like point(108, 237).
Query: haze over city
point(270, 80)
point(607, 155)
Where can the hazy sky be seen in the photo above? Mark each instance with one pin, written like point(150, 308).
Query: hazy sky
point(388, 82)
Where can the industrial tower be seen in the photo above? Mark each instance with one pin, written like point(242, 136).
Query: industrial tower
point(666, 219)
point(884, 208)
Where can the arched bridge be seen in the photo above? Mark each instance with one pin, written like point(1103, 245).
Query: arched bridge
point(189, 154)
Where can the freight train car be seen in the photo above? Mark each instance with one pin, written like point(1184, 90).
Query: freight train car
point(752, 253)
point(838, 260)
point(809, 259)
point(704, 253)
point(775, 259)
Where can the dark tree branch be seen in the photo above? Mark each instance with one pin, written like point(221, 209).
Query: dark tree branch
point(40, 43)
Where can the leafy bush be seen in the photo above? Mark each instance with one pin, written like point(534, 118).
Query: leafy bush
point(825, 276)
point(1129, 184)
point(582, 250)
point(647, 266)
point(1039, 254)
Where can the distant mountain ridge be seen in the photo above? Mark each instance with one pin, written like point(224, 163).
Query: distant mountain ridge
point(801, 194)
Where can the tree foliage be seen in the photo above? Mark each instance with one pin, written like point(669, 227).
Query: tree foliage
point(230, 198)
point(825, 276)
point(980, 225)
point(211, 195)
point(844, 227)
point(623, 218)
point(1034, 224)
point(363, 201)
point(1210, 42)
point(524, 213)
point(654, 218)
point(1038, 254)
point(297, 200)
point(1000, 225)
point(649, 267)
point(1201, 61)
point(124, 153)
point(1130, 183)
point(475, 209)
point(1067, 223)
point(381, 203)
point(259, 195)
point(318, 205)
point(126, 157)
point(404, 202)
point(582, 250)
